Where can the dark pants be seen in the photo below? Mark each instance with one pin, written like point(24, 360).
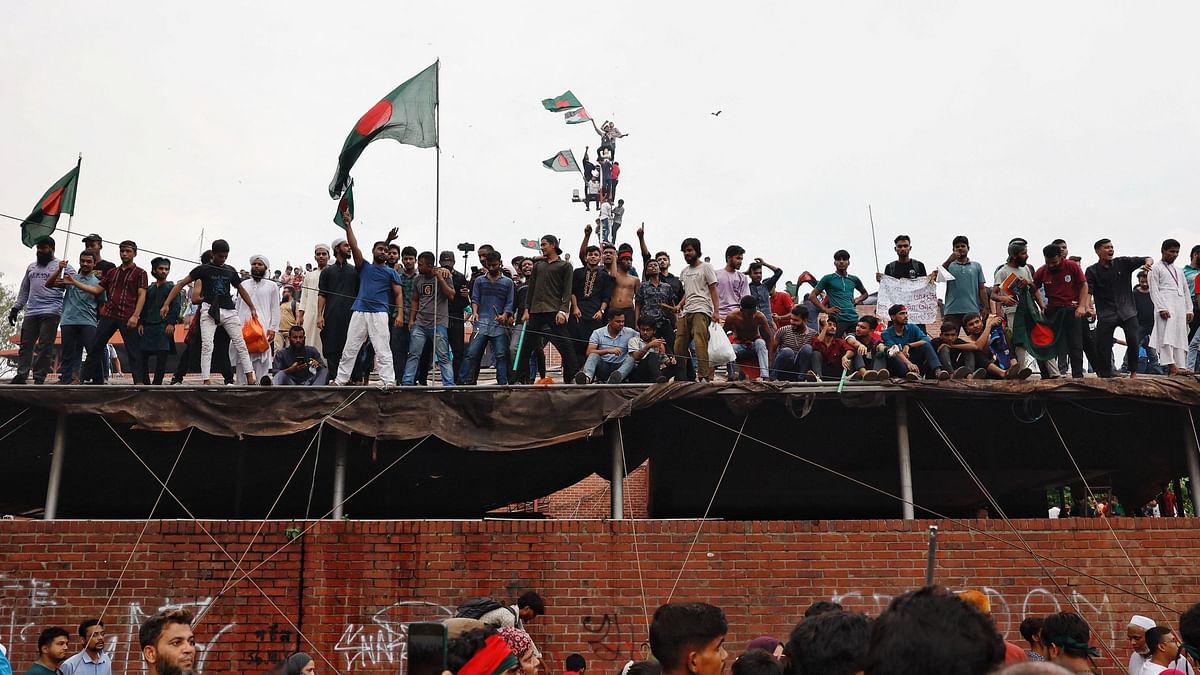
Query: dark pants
point(98, 351)
point(790, 364)
point(400, 337)
point(457, 335)
point(952, 359)
point(648, 370)
point(74, 339)
point(582, 330)
point(845, 327)
point(189, 358)
point(37, 337)
point(1104, 345)
point(543, 323)
point(923, 357)
point(160, 366)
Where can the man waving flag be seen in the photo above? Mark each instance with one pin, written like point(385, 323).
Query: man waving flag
point(408, 114)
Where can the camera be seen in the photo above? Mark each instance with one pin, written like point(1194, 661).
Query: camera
point(466, 247)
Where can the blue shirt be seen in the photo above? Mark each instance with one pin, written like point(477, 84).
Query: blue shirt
point(912, 333)
point(82, 664)
point(34, 296)
point(494, 298)
point(603, 340)
point(962, 294)
point(79, 307)
point(375, 288)
point(839, 292)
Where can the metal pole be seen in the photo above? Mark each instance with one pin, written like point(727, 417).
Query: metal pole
point(931, 555)
point(339, 475)
point(1193, 459)
point(617, 446)
point(906, 492)
point(57, 458)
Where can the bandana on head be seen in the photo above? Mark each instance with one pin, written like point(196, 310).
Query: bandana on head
point(494, 658)
point(517, 639)
point(1065, 642)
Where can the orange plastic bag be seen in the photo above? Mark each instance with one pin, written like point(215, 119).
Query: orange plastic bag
point(255, 336)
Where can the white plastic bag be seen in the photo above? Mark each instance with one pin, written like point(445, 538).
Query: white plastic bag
point(720, 350)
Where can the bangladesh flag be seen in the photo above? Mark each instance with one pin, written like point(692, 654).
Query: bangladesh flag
point(1044, 337)
point(345, 209)
point(563, 161)
point(561, 103)
point(577, 116)
point(59, 199)
point(408, 115)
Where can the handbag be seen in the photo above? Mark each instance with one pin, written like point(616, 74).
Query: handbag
point(255, 336)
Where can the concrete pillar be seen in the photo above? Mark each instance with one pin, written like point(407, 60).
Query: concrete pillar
point(339, 474)
point(902, 448)
point(617, 447)
point(57, 458)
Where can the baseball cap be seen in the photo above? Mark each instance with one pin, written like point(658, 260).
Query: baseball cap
point(92, 237)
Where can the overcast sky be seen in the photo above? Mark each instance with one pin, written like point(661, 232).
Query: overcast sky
point(1039, 119)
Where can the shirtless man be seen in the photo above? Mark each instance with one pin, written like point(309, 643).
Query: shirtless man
point(624, 284)
point(750, 332)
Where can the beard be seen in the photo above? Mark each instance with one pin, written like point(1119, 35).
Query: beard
point(166, 667)
point(258, 275)
point(44, 259)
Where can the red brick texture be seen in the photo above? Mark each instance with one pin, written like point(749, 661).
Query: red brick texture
point(592, 498)
point(351, 586)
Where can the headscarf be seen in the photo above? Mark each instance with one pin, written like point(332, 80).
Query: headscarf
point(258, 256)
point(517, 640)
point(295, 663)
point(493, 658)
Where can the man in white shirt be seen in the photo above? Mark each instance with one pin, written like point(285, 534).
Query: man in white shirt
point(1173, 311)
point(1136, 633)
point(265, 294)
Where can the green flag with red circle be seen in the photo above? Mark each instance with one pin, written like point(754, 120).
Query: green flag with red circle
point(59, 199)
point(1042, 336)
point(408, 115)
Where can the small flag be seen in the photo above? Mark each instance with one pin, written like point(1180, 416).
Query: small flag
point(577, 116)
point(563, 161)
point(407, 114)
point(59, 199)
point(559, 103)
point(345, 209)
point(531, 243)
point(1042, 336)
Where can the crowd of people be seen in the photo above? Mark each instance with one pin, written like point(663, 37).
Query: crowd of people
point(398, 314)
point(930, 631)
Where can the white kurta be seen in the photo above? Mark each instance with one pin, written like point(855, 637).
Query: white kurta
point(308, 304)
point(266, 297)
point(1168, 290)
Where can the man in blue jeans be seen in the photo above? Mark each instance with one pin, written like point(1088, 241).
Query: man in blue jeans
point(909, 348)
point(607, 348)
point(429, 317)
point(750, 332)
point(793, 354)
point(492, 306)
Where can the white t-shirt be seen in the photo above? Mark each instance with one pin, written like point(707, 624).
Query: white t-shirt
point(1151, 668)
point(697, 297)
point(605, 210)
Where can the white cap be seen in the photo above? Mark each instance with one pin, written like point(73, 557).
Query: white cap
point(1142, 622)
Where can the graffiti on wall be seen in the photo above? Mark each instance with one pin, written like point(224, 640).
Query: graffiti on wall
point(382, 640)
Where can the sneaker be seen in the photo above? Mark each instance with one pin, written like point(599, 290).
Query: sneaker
point(959, 373)
point(912, 377)
point(615, 378)
point(581, 378)
point(810, 376)
point(174, 382)
point(943, 374)
point(661, 379)
point(871, 376)
point(264, 381)
point(1024, 374)
point(979, 374)
point(883, 374)
point(18, 379)
point(856, 376)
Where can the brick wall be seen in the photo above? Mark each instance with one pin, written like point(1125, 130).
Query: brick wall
point(352, 585)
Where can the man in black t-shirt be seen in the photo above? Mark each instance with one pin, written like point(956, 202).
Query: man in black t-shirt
point(298, 363)
point(216, 308)
point(903, 267)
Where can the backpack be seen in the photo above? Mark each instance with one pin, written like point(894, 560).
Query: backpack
point(476, 607)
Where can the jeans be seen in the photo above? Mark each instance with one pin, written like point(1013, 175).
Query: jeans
point(957, 358)
point(98, 350)
point(759, 347)
point(878, 361)
point(538, 326)
point(605, 231)
point(305, 378)
point(1104, 345)
point(1193, 351)
point(37, 335)
point(74, 339)
point(400, 338)
point(441, 350)
point(693, 328)
point(469, 373)
point(208, 330)
point(923, 357)
point(596, 368)
point(790, 364)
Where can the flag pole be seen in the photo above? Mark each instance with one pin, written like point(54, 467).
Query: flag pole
point(874, 246)
point(71, 215)
point(437, 205)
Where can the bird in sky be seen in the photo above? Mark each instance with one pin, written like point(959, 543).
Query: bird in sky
point(716, 114)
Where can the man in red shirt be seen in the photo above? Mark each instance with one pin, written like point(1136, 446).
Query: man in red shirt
point(1066, 291)
point(125, 287)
